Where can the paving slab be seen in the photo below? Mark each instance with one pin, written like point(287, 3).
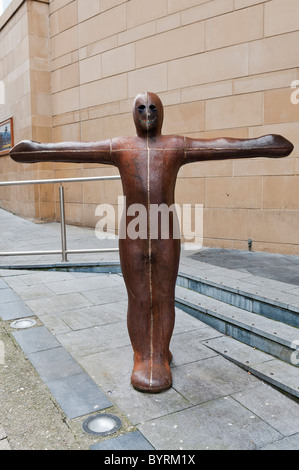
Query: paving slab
point(107, 295)
point(188, 346)
point(99, 338)
point(54, 304)
point(78, 395)
point(209, 379)
point(287, 443)
point(14, 310)
point(273, 407)
point(131, 441)
point(52, 364)
point(7, 295)
point(258, 264)
point(221, 424)
point(112, 369)
point(3, 285)
point(82, 285)
point(36, 339)
point(93, 316)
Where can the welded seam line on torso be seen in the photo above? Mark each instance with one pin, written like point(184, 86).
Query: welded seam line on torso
point(150, 264)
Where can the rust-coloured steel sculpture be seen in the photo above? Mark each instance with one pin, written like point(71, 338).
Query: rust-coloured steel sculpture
point(148, 164)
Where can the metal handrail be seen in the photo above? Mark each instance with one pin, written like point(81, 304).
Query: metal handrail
point(64, 251)
point(59, 180)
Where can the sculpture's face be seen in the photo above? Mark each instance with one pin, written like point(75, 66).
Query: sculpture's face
point(148, 114)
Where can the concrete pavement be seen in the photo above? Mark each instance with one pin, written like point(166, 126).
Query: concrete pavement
point(76, 359)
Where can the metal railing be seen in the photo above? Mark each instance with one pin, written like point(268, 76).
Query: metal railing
point(64, 251)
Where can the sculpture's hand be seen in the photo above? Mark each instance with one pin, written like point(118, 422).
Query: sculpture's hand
point(25, 152)
point(274, 145)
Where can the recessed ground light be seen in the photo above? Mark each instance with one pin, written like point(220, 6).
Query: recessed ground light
point(101, 424)
point(23, 323)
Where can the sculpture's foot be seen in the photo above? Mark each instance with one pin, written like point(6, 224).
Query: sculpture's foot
point(151, 377)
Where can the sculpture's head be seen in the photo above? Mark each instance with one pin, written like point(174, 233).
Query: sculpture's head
point(148, 114)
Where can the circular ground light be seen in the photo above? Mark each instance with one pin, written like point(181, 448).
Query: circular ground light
point(23, 323)
point(101, 424)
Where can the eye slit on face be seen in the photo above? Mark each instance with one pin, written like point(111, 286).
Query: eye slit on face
point(152, 107)
point(141, 108)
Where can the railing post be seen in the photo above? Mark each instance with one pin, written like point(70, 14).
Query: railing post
point(62, 223)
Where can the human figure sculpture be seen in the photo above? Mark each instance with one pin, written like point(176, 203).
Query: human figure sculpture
point(148, 164)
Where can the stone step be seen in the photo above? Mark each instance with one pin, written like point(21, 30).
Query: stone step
point(264, 347)
point(273, 371)
point(270, 336)
point(271, 302)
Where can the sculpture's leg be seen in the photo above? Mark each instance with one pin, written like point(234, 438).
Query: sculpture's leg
point(150, 280)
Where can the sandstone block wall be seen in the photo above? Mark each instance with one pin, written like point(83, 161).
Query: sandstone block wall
point(221, 68)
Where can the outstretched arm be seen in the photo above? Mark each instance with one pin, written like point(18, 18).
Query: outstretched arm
point(72, 152)
point(228, 148)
